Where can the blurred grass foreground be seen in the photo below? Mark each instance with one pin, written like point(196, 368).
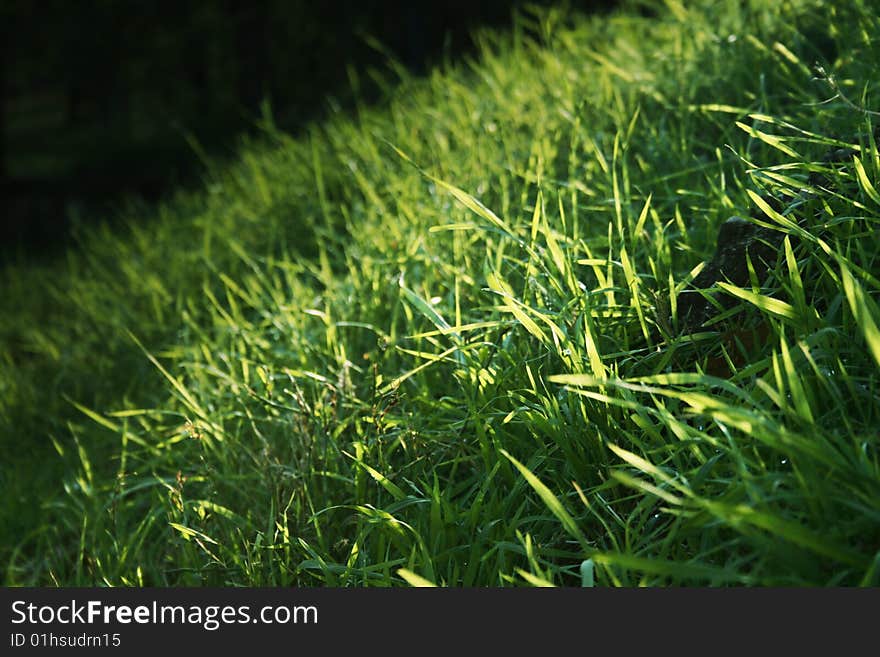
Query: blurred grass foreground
point(435, 339)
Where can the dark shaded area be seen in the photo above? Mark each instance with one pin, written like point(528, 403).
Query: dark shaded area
point(98, 99)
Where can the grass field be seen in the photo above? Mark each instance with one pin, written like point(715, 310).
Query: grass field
point(436, 340)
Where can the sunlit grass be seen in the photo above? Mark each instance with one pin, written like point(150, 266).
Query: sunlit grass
point(436, 342)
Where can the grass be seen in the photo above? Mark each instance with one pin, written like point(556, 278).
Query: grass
point(434, 342)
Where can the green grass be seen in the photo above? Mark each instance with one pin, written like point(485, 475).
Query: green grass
point(432, 342)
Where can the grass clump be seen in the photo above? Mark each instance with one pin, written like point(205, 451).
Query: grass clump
point(436, 341)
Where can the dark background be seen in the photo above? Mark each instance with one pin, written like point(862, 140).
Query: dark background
point(101, 99)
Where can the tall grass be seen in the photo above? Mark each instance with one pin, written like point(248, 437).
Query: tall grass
point(436, 340)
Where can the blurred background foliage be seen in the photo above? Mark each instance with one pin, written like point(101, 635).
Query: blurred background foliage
point(105, 99)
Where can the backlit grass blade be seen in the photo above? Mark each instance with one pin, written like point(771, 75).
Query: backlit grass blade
point(769, 304)
point(383, 481)
point(648, 468)
point(189, 533)
point(534, 580)
point(475, 206)
point(97, 417)
point(551, 501)
point(864, 310)
point(786, 530)
point(865, 182)
point(795, 386)
point(460, 195)
point(680, 570)
point(794, 277)
point(632, 284)
point(778, 218)
point(516, 308)
point(426, 309)
point(395, 383)
point(176, 384)
point(773, 140)
point(415, 580)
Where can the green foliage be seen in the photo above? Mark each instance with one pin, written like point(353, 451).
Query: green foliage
point(434, 343)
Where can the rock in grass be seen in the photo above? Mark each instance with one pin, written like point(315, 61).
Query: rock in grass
point(739, 241)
